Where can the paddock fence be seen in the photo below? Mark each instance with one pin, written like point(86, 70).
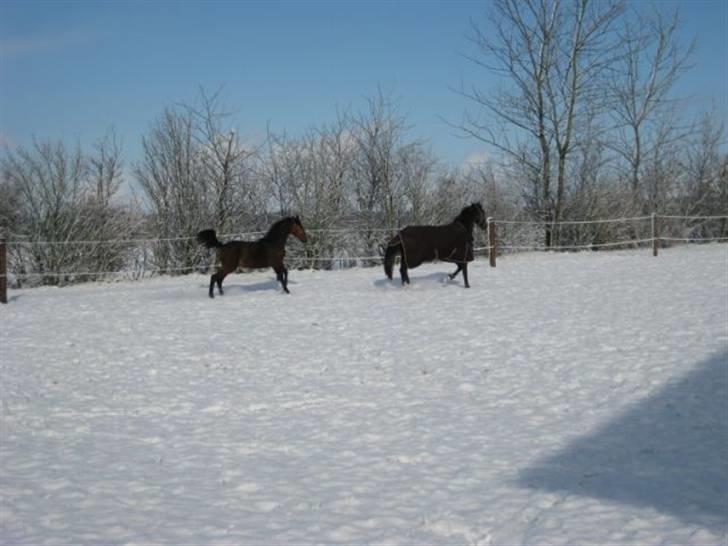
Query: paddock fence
point(26, 261)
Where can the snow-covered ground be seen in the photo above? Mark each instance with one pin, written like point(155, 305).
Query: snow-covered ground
point(563, 399)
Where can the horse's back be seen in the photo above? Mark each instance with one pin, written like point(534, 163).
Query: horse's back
point(251, 254)
point(449, 242)
point(445, 230)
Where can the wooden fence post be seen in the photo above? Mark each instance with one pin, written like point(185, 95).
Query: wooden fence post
point(3, 270)
point(491, 241)
point(655, 235)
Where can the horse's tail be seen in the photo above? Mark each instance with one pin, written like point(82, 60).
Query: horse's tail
point(208, 238)
point(394, 247)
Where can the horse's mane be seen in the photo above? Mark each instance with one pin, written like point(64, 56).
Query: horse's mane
point(468, 215)
point(278, 228)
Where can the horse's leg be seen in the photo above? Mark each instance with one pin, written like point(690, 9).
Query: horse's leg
point(230, 258)
point(284, 278)
point(213, 278)
point(220, 277)
point(403, 272)
point(458, 270)
point(465, 274)
point(217, 278)
point(279, 269)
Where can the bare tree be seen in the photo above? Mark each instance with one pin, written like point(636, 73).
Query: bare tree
point(10, 201)
point(721, 192)
point(171, 177)
point(106, 168)
point(310, 176)
point(329, 150)
point(280, 170)
point(449, 196)
point(110, 224)
point(195, 173)
point(586, 50)
point(226, 164)
point(700, 192)
point(486, 183)
point(416, 170)
point(521, 50)
point(551, 56)
point(384, 169)
point(700, 186)
point(66, 211)
point(50, 181)
point(644, 77)
point(378, 134)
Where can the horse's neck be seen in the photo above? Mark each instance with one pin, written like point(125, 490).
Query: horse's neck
point(468, 223)
point(277, 235)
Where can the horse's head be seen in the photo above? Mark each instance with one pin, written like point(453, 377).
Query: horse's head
point(297, 229)
point(473, 215)
point(479, 215)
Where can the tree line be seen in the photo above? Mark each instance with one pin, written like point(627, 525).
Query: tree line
point(583, 124)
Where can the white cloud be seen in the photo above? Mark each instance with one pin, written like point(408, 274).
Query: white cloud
point(476, 159)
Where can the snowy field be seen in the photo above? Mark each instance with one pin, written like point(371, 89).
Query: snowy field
point(563, 399)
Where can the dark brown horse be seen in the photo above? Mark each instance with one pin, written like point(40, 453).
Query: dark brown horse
point(267, 251)
point(451, 242)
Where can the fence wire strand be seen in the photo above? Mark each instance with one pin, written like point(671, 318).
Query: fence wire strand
point(143, 272)
point(18, 239)
point(571, 222)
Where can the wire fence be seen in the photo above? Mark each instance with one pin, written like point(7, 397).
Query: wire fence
point(34, 262)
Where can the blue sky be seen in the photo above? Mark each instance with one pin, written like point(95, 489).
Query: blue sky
point(71, 70)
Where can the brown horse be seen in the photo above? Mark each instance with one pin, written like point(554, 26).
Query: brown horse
point(451, 242)
point(267, 251)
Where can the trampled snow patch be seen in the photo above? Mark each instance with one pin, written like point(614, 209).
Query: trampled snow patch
point(563, 399)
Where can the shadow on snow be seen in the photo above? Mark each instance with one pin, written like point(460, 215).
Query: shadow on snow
point(429, 279)
point(669, 453)
point(243, 287)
